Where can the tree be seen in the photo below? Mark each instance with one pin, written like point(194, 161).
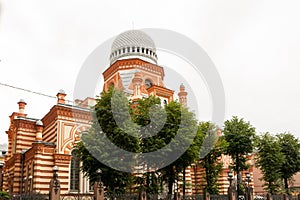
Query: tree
point(141, 127)
point(239, 136)
point(4, 195)
point(212, 148)
point(269, 159)
point(181, 124)
point(105, 126)
point(291, 164)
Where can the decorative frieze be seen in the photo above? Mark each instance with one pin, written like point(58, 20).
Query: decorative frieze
point(62, 158)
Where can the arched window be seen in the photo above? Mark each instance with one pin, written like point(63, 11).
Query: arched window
point(111, 85)
point(74, 172)
point(148, 83)
point(165, 102)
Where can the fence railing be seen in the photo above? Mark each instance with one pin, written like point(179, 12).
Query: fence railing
point(33, 196)
point(77, 196)
point(134, 196)
point(259, 196)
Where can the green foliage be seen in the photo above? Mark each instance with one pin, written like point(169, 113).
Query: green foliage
point(114, 180)
point(182, 124)
point(212, 148)
point(239, 136)
point(270, 159)
point(4, 195)
point(142, 126)
point(104, 126)
point(279, 159)
point(291, 165)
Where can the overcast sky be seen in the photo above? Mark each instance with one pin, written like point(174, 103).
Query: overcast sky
point(254, 45)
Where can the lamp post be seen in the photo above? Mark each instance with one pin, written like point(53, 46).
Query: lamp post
point(54, 192)
point(115, 187)
point(230, 177)
point(231, 191)
point(56, 184)
point(25, 185)
point(99, 171)
point(248, 178)
point(30, 183)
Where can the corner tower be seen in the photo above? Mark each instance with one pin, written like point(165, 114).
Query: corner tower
point(134, 69)
point(182, 94)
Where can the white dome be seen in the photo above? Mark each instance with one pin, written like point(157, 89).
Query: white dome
point(133, 43)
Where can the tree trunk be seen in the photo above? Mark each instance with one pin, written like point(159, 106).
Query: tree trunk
point(238, 173)
point(195, 174)
point(207, 178)
point(270, 190)
point(170, 186)
point(183, 192)
point(286, 185)
point(148, 180)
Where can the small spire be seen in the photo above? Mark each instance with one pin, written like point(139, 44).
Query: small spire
point(22, 105)
point(39, 130)
point(61, 97)
point(182, 94)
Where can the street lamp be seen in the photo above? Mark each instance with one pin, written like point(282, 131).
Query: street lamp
point(99, 171)
point(55, 180)
point(30, 183)
point(26, 185)
point(248, 178)
point(230, 177)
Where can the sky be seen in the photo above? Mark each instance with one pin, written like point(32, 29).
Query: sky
point(254, 45)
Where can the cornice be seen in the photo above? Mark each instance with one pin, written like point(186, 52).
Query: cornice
point(133, 63)
point(62, 158)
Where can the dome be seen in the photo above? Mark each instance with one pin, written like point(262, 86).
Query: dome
point(133, 44)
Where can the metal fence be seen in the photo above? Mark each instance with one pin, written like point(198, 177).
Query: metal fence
point(259, 196)
point(219, 197)
point(135, 196)
point(33, 196)
point(109, 196)
point(77, 196)
point(154, 197)
point(69, 196)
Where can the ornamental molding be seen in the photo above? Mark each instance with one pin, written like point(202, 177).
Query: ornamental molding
point(134, 63)
point(62, 158)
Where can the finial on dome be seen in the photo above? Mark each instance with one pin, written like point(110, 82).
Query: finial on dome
point(61, 91)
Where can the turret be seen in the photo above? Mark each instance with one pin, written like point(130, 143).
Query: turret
point(61, 97)
point(182, 94)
